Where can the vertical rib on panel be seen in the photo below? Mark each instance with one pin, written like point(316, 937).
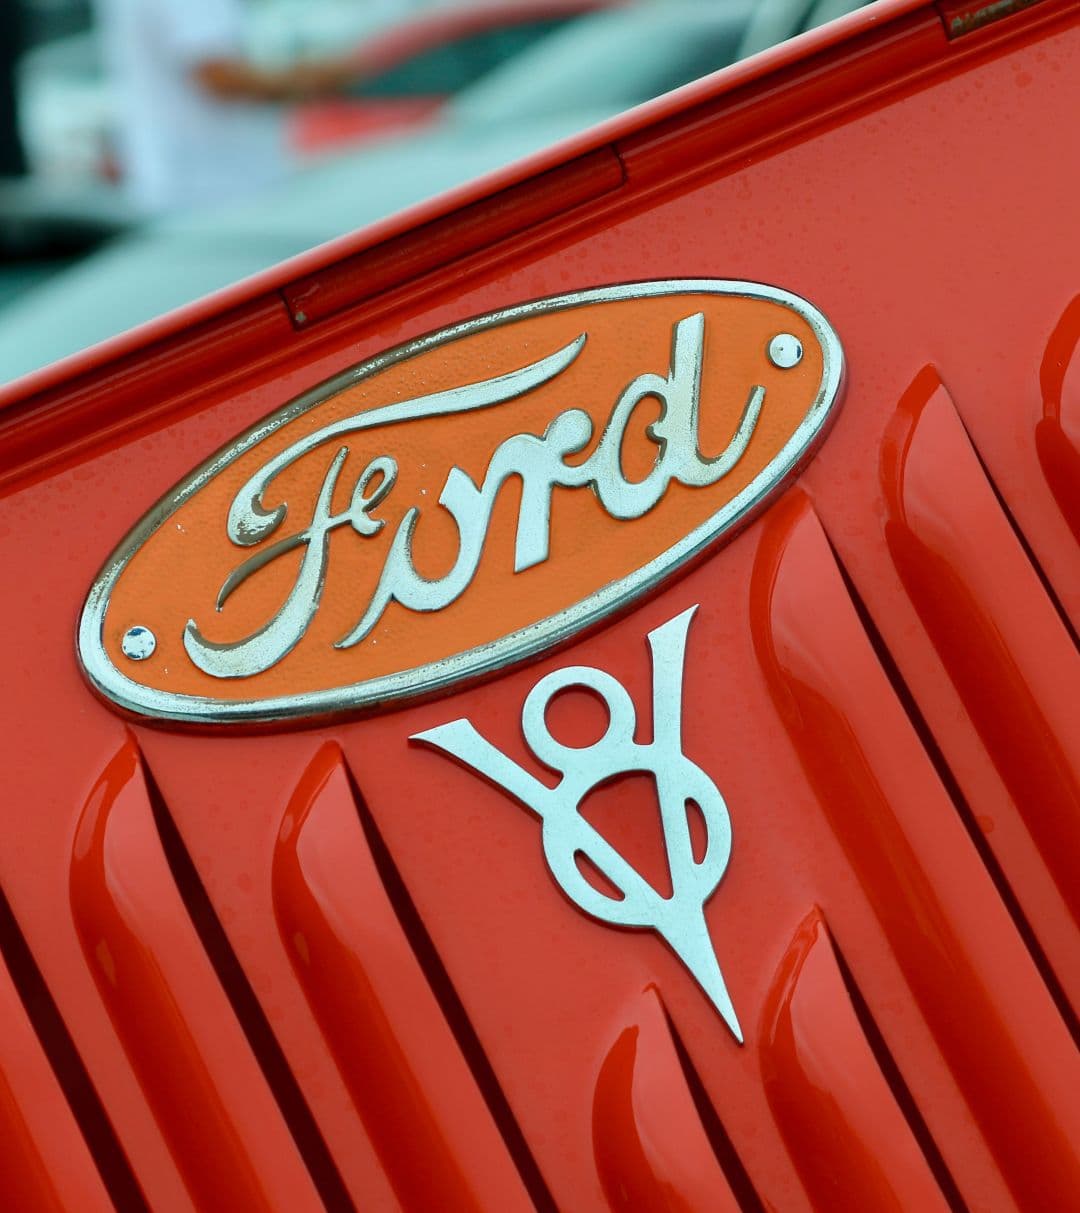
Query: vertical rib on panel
point(170, 1013)
point(401, 1064)
point(841, 1122)
point(652, 1150)
point(971, 977)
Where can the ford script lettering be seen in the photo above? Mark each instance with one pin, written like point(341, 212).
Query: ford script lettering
point(462, 502)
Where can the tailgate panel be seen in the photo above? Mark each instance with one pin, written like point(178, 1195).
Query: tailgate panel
point(327, 966)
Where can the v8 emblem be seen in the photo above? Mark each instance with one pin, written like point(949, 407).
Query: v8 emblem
point(679, 918)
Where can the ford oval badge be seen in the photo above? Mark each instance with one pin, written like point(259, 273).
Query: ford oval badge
point(461, 503)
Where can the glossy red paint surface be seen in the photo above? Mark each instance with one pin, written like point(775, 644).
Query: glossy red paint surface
point(44, 1160)
point(334, 963)
point(831, 1100)
point(158, 986)
point(381, 1020)
point(652, 1150)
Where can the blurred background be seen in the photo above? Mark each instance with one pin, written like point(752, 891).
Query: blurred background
point(152, 151)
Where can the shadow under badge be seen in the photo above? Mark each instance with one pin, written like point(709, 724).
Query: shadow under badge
point(678, 919)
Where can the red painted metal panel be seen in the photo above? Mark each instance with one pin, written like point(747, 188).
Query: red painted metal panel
point(363, 974)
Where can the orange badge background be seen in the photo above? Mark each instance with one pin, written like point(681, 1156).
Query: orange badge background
point(178, 572)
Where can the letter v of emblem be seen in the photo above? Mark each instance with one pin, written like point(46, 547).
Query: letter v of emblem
point(678, 919)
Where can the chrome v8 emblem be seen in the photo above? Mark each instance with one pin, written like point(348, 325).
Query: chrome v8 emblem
point(678, 919)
